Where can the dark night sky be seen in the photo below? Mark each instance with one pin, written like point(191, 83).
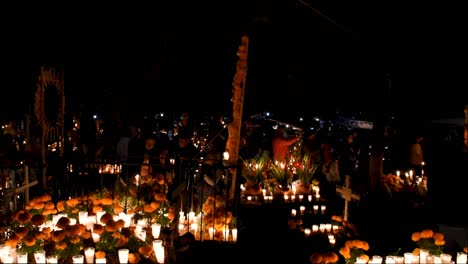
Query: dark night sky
point(303, 56)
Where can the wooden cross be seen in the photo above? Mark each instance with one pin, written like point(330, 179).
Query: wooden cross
point(347, 195)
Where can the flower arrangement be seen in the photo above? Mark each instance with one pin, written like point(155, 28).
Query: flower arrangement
point(216, 216)
point(428, 240)
point(354, 249)
point(323, 258)
point(304, 169)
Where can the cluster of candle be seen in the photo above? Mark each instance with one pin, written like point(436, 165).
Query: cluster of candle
point(316, 209)
point(409, 258)
point(110, 169)
point(190, 223)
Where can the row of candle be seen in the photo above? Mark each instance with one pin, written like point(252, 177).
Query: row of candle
point(286, 198)
point(315, 207)
point(190, 223)
point(410, 258)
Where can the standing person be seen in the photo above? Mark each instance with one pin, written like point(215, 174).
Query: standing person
point(416, 157)
point(281, 143)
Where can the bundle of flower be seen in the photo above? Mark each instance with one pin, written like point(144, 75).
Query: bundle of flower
point(216, 216)
point(428, 240)
point(323, 258)
point(354, 250)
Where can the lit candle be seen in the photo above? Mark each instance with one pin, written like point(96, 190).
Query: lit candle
point(234, 234)
point(323, 208)
point(78, 259)
point(89, 255)
point(101, 261)
point(309, 197)
point(301, 197)
point(40, 256)
point(302, 209)
point(293, 212)
point(315, 228)
point(156, 230)
point(461, 257)
point(307, 232)
point(123, 255)
point(316, 207)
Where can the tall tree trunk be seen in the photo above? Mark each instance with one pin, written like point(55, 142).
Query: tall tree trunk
point(234, 129)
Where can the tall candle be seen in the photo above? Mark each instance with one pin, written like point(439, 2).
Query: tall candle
point(89, 255)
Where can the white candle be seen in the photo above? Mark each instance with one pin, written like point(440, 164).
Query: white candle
point(302, 209)
point(445, 258)
point(123, 255)
point(155, 230)
point(89, 255)
point(40, 256)
point(309, 197)
point(461, 257)
point(83, 217)
point(315, 228)
point(101, 261)
point(52, 259)
point(78, 259)
point(22, 257)
point(301, 197)
point(323, 208)
point(234, 234)
point(316, 208)
point(96, 237)
point(307, 232)
point(293, 212)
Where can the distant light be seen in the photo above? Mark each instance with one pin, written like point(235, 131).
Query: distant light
point(301, 119)
point(95, 116)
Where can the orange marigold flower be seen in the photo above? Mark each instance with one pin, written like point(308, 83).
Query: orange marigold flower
point(416, 251)
point(86, 235)
point(49, 205)
point(29, 241)
point(365, 245)
point(22, 231)
point(39, 206)
point(315, 258)
point(98, 229)
point(58, 235)
point(61, 206)
point(345, 251)
point(72, 202)
point(145, 250)
point(120, 223)
point(63, 222)
point(45, 198)
point(107, 201)
point(160, 197)
point(133, 258)
point(97, 208)
point(24, 217)
point(38, 219)
point(330, 257)
point(111, 226)
point(75, 240)
point(365, 257)
point(118, 209)
point(416, 236)
point(439, 242)
point(49, 212)
point(438, 236)
point(427, 233)
point(41, 235)
point(12, 243)
point(106, 218)
point(100, 254)
point(148, 208)
point(61, 246)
